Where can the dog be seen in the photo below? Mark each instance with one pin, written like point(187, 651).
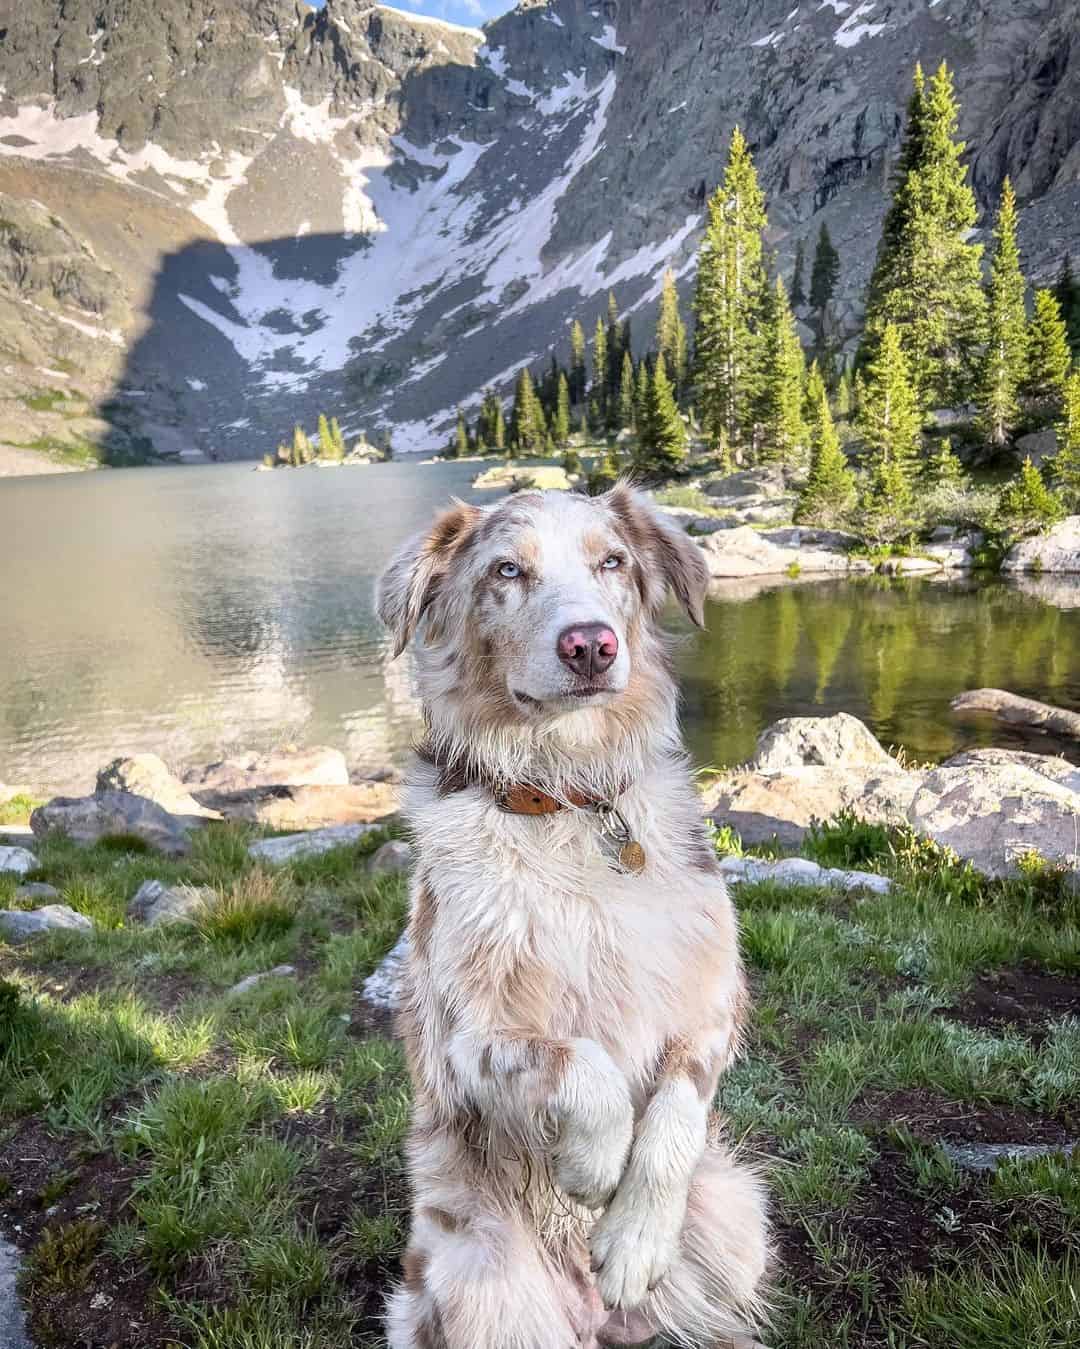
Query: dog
point(573, 989)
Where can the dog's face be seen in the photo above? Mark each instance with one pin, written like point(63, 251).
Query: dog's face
point(544, 602)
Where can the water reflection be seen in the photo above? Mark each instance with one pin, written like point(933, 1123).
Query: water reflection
point(191, 611)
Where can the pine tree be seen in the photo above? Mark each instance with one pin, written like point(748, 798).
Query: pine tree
point(889, 419)
point(728, 302)
point(1067, 293)
point(598, 391)
point(662, 447)
point(825, 272)
point(527, 429)
point(943, 468)
point(571, 462)
point(614, 362)
point(561, 425)
point(302, 452)
point(626, 394)
point(784, 435)
point(338, 448)
point(498, 441)
point(814, 390)
point(1049, 356)
point(887, 503)
point(829, 493)
point(1027, 504)
point(1005, 360)
point(798, 290)
point(323, 431)
point(461, 435)
point(578, 378)
point(845, 395)
point(927, 279)
point(671, 333)
point(641, 397)
point(1066, 467)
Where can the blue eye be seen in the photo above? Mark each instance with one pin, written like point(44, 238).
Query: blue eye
point(510, 570)
point(611, 563)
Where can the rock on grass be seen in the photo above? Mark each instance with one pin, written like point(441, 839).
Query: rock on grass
point(88, 819)
point(156, 903)
point(19, 925)
point(17, 860)
point(291, 847)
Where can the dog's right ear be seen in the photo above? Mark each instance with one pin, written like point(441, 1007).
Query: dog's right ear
point(411, 582)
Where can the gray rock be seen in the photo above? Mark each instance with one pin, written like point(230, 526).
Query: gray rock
point(36, 890)
point(286, 767)
point(156, 903)
point(253, 980)
point(385, 987)
point(394, 855)
point(992, 812)
point(909, 566)
point(290, 847)
point(296, 808)
point(841, 741)
point(12, 1322)
point(800, 871)
point(17, 860)
point(749, 552)
point(1058, 550)
point(989, 1156)
point(19, 925)
point(735, 488)
point(1038, 446)
point(146, 775)
point(88, 819)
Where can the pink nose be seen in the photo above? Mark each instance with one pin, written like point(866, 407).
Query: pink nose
point(588, 649)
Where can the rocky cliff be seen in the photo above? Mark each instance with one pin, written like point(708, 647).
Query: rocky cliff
point(220, 216)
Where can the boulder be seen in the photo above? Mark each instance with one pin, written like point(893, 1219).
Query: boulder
point(697, 522)
point(146, 775)
point(295, 808)
point(253, 980)
point(953, 550)
point(991, 810)
point(841, 741)
point(17, 860)
point(749, 552)
point(761, 806)
point(1058, 550)
point(800, 871)
point(156, 903)
point(734, 488)
point(385, 987)
point(36, 891)
point(395, 855)
point(520, 478)
point(290, 847)
point(287, 767)
point(1038, 446)
point(909, 566)
point(19, 925)
point(87, 819)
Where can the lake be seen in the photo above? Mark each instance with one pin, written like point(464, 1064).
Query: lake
point(193, 611)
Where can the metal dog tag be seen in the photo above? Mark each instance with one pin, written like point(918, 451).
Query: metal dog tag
point(624, 852)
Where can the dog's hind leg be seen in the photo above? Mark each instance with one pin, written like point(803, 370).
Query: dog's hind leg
point(486, 1283)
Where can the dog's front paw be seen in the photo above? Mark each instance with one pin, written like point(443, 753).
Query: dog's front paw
point(589, 1168)
point(633, 1246)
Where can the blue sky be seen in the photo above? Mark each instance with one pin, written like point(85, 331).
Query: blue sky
point(471, 12)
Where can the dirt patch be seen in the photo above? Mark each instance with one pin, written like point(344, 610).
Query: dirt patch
point(1021, 998)
point(932, 1118)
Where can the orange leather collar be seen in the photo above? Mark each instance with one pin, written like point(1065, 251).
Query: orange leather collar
point(524, 800)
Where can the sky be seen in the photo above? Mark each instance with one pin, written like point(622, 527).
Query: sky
point(470, 12)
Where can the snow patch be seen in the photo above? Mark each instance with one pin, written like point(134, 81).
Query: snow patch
point(197, 385)
point(607, 40)
point(438, 23)
point(851, 32)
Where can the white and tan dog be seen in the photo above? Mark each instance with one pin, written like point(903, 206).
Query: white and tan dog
point(574, 986)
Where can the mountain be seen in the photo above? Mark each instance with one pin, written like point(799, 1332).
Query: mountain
point(218, 217)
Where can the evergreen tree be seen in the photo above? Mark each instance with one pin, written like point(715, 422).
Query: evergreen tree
point(1049, 356)
point(578, 378)
point(671, 333)
point(614, 361)
point(461, 435)
point(728, 302)
point(927, 279)
point(583, 424)
point(338, 448)
point(302, 452)
point(1067, 293)
point(813, 392)
point(1005, 360)
point(845, 395)
point(889, 419)
point(783, 429)
point(1066, 467)
point(829, 493)
point(323, 431)
point(825, 272)
point(571, 462)
point(1027, 504)
point(662, 446)
point(598, 392)
point(527, 429)
point(798, 285)
point(887, 503)
point(641, 396)
point(561, 425)
point(943, 468)
point(626, 393)
point(498, 440)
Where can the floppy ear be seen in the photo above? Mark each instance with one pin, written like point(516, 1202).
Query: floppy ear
point(411, 583)
point(667, 557)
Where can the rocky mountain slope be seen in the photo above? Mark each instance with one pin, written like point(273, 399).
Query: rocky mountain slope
point(220, 216)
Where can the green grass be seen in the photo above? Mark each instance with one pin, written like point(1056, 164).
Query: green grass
point(255, 1141)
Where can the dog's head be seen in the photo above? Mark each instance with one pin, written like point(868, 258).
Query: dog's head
point(542, 605)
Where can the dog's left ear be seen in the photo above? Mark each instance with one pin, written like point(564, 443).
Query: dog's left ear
point(662, 551)
point(412, 581)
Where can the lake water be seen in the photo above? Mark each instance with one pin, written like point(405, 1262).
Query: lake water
point(191, 611)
